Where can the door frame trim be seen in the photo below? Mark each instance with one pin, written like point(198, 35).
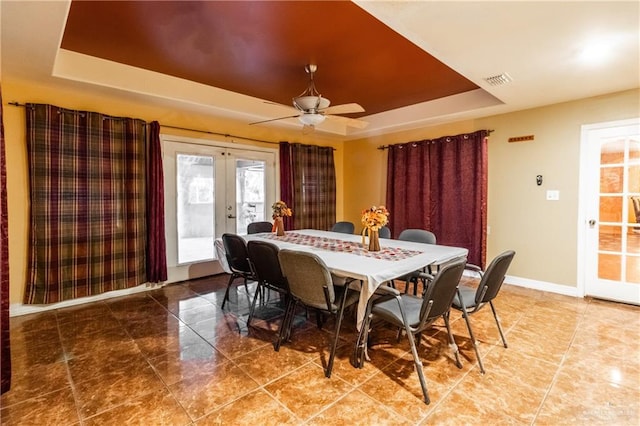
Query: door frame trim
point(583, 194)
point(200, 269)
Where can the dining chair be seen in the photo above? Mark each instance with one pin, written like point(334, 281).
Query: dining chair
point(311, 284)
point(343, 227)
point(258, 227)
point(417, 313)
point(383, 232)
point(237, 256)
point(416, 236)
point(265, 265)
point(469, 300)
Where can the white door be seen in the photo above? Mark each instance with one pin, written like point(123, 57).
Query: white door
point(610, 176)
point(210, 190)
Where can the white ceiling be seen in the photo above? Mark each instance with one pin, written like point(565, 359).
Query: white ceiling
point(540, 45)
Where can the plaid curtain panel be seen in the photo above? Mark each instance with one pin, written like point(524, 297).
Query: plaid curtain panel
point(88, 203)
point(308, 180)
point(5, 340)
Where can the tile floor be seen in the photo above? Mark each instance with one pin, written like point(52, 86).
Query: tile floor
point(171, 356)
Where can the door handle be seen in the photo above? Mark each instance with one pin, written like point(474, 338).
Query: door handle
point(592, 223)
point(230, 216)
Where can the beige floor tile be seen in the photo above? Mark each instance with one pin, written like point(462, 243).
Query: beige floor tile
point(201, 394)
point(306, 391)
point(243, 412)
point(172, 356)
point(357, 408)
point(157, 408)
point(54, 408)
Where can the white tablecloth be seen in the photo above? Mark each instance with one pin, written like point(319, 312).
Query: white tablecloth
point(372, 271)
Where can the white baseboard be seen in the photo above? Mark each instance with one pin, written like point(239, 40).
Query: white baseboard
point(543, 286)
point(16, 309)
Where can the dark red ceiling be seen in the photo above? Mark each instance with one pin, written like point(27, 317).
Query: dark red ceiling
point(259, 48)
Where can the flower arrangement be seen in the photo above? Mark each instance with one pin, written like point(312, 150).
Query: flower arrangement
point(375, 217)
point(280, 209)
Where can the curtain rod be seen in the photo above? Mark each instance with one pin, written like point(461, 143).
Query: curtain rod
point(226, 135)
point(383, 147)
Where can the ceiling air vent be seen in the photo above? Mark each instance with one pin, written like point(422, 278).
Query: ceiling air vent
point(499, 80)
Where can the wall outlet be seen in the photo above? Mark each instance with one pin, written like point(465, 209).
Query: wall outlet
point(553, 195)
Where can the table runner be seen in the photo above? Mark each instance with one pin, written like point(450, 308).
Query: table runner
point(333, 244)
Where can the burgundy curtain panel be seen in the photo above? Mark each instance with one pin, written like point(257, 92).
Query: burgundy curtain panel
point(441, 185)
point(5, 349)
point(88, 203)
point(156, 244)
point(308, 185)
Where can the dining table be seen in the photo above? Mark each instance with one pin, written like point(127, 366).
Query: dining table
point(347, 256)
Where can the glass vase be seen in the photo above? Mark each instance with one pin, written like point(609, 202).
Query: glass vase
point(279, 225)
point(374, 240)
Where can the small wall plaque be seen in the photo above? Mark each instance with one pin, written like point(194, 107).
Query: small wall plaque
point(521, 138)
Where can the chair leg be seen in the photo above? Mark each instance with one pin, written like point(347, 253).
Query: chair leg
point(418, 364)
point(246, 287)
point(407, 283)
point(465, 314)
point(253, 303)
point(334, 345)
point(360, 354)
point(495, 315)
point(226, 293)
point(452, 342)
point(284, 331)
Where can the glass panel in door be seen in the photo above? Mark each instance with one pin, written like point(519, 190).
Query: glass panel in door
point(210, 190)
point(195, 215)
point(610, 173)
point(250, 193)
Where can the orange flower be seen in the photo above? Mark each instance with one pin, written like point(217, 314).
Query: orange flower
point(375, 217)
point(280, 209)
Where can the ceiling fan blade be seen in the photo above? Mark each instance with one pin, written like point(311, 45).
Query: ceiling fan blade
point(275, 119)
point(352, 122)
point(343, 109)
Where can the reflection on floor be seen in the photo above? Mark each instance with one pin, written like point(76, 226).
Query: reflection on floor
point(172, 356)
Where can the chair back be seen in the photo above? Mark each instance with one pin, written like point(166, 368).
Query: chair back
point(493, 277)
point(307, 276)
point(263, 256)
point(441, 291)
point(384, 232)
point(344, 227)
point(418, 236)
point(235, 249)
point(258, 227)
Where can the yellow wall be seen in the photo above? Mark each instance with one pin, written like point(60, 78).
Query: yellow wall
point(98, 100)
point(543, 233)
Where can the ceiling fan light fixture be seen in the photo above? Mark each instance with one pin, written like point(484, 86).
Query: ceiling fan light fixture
point(310, 103)
point(311, 119)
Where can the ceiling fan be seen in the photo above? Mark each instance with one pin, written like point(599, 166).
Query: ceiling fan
point(312, 108)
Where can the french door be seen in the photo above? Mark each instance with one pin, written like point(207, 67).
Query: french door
point(611, 223)
point(210, 190)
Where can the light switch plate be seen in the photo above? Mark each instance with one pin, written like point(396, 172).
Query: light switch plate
point(553, 195)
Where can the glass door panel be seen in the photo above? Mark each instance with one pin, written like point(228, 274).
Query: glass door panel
point(613, 209)
point(210, 190)
point(613, 242)
point(195, 207)
point(250, 193)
